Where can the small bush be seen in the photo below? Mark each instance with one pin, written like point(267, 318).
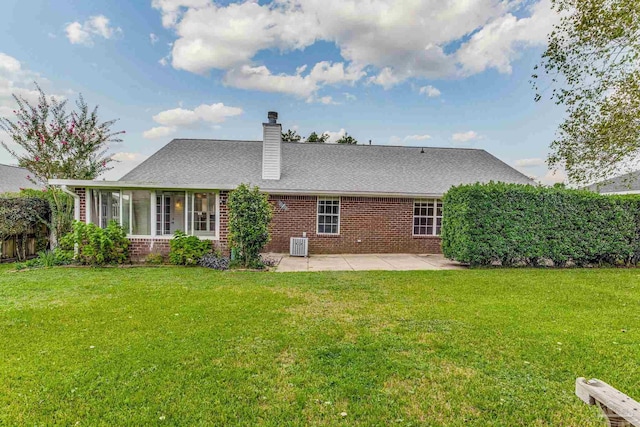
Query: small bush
point(215, 261)
point(97, 246)
point(514, 224)
point(187, 250)
point(249, 216)
point(155, 258)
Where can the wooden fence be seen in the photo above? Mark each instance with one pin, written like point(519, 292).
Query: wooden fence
point(19, 248)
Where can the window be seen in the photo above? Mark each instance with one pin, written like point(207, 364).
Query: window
point(105, 207)
point(427, 217)
point(139, 211)
point(204, 214)
point(170, 216)
point(328, 215)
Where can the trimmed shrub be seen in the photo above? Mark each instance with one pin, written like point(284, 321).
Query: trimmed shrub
point(187, 250)
point(514, 224)
point(97, 246)
point(249, 216)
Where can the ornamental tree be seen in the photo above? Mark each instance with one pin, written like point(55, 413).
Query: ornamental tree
point(55, 143)
point(592, 66)
point(249, 216)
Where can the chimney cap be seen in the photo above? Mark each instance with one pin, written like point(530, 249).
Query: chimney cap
point(272, 116)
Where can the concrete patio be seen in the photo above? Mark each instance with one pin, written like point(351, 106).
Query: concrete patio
point(355, 262)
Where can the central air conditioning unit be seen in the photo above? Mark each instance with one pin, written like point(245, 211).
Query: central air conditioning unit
point(299, 246)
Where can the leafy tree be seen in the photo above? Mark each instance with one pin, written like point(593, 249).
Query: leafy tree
point(249, 216)
point(291, 136)
point(58, 144)
point(347, 139)
point(314, 137)
point(592, 64)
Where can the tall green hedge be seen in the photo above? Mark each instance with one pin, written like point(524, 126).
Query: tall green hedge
point(515, 224)
point(21, 217)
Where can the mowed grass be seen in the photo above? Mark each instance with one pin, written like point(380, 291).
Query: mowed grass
point(190, 346)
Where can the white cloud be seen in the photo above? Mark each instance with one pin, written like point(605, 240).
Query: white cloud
point(335, 136)
point(9, 64)
point(172, 119)
point(527, 163)
point(396, 40)
point(153, 38)
point(158, 132)
point(499, 42)
point(215, 113)
point(125, 161)
point(430, 91)
point(332, 73)
point(176, 117)
point(386, 78)
point(260, 78)
point(464, 136)
point(98, 25)
point(417, 137)
point(16, 80)
point(326, 100)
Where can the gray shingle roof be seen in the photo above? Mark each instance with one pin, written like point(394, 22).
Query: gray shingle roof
point(629, 182)
point(13, 178)
point(322, 167)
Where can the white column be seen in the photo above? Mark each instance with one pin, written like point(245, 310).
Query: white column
point(153, 214)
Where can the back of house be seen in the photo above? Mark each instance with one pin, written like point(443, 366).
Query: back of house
point(343, 198)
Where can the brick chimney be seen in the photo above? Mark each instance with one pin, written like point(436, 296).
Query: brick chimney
point(271, 147)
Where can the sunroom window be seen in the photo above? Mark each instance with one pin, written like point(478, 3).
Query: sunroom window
point(204, 214)
point(105, 207)
point(138, 211)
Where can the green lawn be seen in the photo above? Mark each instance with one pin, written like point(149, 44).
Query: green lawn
point(189, 346)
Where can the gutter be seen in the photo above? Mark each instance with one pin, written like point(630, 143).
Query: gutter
point(76, 201)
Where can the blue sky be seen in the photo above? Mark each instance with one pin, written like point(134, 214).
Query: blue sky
point(422, 73)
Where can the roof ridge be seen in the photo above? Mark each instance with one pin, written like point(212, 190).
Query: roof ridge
point(14, 166)
point(331, 144)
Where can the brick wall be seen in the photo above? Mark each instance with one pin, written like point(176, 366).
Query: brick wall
point(367, 225)
point(82, 193)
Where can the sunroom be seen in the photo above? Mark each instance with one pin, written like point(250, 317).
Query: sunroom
point(157, 212)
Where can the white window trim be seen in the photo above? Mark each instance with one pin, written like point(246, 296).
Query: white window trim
point(318, 199)
point(435, 217)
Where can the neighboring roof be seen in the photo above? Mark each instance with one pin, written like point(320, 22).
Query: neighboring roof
point(627, 183)
point(321, 168)
point(13, 178)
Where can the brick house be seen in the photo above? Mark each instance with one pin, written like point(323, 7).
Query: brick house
point(344, 198)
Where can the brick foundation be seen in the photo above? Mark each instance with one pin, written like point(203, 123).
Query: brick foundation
point(141, 247)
